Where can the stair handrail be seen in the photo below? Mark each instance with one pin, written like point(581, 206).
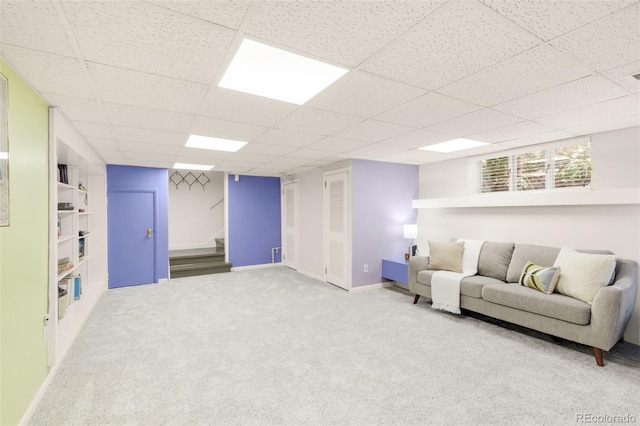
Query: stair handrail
point(216, 203)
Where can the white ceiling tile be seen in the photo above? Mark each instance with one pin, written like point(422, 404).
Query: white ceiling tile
point(457, 40)
point(79, 109)
point(623, 76)
point(310, 120)
point(244, 108)
point(289, 162)
point(94, 130)
point(419, 138)
point(413, 155)
point(589, 90)
point(147, 118)
point(608, 43)
point(99, 143)
point(514, 131)
point(355, 156)
point(34, 25)
point(604, 126)
point(148, 156)
point(149, 148)
point(428, 109)
point(252, 158)
point(550, 19)
point(267, 149)
point(112, 160)
point(362, 94)
point(166, 43)
point(376, 150)
point(343, 32)
point(215, 128)
point(337, 144)
point(121, 86)
point(536, 69)
point(603, 111)
point(373, 131)
point(49, 73)
point(475, 122)
point(222, 12)
point(311, 154)
point(110, 153)
point(133, 134)
point(537, 138)
point(197, 156)
point(286, 138)
point(230, 164)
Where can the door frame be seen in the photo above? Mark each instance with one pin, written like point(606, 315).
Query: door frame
point(156, 220)
point(296, 226)
point(347, 205)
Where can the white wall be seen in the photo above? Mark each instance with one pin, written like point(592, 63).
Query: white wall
point(192, 222)
point(616, 160)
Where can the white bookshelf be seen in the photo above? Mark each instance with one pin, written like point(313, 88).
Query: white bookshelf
point(85, 167)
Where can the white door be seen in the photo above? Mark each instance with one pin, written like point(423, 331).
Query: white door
point(290, 224)
point(336, 209)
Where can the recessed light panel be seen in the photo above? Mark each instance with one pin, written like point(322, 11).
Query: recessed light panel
point(454, 145)
point(216, 144)
point(277, 74)
point(185, 166)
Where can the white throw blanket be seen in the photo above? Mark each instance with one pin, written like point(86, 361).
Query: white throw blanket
point(445, 285)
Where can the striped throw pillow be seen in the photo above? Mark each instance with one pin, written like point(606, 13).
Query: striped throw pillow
point(539, 277)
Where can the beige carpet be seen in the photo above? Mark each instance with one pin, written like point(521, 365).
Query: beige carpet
point(274, 347)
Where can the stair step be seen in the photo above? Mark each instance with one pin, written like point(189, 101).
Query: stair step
point(201, 255)
point(193, 269)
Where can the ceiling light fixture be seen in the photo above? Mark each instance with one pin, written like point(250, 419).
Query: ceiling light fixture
point(266, 71)
point(454, 145)
point(185, 166)
point(215, 144)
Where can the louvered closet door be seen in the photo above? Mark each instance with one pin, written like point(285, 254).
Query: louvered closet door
point(290, 224)
point(337, 229)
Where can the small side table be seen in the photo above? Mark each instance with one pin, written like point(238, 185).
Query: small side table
point(396, 270)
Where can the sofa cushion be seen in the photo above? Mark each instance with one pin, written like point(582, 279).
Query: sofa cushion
point(539, 278)
point(527, 299)
point(494, 260)
point(583, 274)
point(523, 253)
point(469, 286)
point(446, 256)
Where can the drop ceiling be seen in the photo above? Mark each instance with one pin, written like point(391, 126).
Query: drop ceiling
point(137, 77)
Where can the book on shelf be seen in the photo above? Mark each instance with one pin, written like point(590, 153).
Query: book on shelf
point(64, 264)
point(63, 176)
point(77, 287)
point(81, 247)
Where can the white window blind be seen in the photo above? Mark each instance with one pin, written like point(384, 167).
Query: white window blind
point(555, 167)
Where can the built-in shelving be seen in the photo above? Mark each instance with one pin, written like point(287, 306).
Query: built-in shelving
point(87, 256)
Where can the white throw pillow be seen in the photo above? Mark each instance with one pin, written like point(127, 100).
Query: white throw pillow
point(583, 274)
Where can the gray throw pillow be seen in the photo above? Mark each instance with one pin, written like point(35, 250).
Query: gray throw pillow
point(523, 253)
point(494, 260)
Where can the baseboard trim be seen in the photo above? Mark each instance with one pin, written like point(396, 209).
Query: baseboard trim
point(371, 287)
point(163, 280)
point(250, 267)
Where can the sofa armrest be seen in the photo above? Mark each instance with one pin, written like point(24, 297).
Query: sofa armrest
point(613, 305)
point(416, 264)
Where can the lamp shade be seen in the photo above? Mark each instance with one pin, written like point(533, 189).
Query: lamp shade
point(411, 231)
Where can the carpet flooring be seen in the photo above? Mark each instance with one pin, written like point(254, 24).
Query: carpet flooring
point(274, 347)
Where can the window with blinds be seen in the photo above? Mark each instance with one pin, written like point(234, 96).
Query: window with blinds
point(559, 167)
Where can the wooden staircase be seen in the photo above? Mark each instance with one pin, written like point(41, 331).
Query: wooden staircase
point(202, 261)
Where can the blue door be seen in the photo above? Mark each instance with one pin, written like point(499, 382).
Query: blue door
point(132, 240)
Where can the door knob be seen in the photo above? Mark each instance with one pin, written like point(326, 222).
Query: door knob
point(149, 231)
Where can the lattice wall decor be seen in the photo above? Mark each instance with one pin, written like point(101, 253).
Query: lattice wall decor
point(189, 179)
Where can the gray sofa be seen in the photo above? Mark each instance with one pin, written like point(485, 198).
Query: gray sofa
point(495, 292)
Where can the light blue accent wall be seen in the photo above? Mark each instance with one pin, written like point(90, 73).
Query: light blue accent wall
point(254, 219)
point(136, 178)
point(381, 205)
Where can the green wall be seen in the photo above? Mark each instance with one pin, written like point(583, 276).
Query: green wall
point(24, 250)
